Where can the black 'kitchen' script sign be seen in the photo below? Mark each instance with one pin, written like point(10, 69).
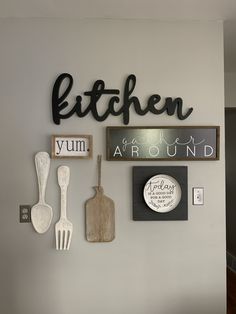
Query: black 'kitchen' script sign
point(60, 94)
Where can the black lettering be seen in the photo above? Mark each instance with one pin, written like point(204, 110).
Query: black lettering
point(59, 102)
point(60, 147)
point(128, 101)
point(172, 104)
point(111, 106)
point(95, 94)
point(152, 101)
point(71, 148)
point(80, 146)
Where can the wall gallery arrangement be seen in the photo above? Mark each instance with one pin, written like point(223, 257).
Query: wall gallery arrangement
point(160, 193)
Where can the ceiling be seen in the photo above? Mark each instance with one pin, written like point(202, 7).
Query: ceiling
point(135, 9)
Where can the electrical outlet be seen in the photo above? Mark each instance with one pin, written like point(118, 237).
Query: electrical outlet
point(198, 196)
point(25, 213)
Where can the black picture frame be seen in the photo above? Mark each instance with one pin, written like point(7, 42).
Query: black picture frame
point(141, 174)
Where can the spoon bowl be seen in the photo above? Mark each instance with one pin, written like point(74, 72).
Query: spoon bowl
point(41, 216)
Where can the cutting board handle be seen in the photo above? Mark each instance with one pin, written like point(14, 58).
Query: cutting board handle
point(99, 165)
point(99, 190)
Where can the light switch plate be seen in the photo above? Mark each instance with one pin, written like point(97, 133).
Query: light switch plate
point(198, 196)
point(25, 213)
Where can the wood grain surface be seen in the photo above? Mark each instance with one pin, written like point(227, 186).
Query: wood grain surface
point(100, 214)
point(100, 217)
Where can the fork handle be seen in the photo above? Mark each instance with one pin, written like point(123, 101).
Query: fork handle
point(63, 202)
point(63, 179)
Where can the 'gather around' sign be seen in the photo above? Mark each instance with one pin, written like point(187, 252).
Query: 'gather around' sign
point(163, 143)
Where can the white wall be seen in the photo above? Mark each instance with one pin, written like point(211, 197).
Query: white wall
point(151, 267)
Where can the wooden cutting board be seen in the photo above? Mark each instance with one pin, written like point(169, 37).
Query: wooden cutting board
point(100, 214)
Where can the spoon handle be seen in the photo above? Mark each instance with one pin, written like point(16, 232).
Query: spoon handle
point(42, 164)
point(63, 174)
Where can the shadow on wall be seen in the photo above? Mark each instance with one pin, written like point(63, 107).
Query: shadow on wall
point(197, 305)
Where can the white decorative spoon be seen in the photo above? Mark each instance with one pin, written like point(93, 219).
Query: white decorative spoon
point(41, 213)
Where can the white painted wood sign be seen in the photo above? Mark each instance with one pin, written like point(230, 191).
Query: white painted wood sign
point(71, 146)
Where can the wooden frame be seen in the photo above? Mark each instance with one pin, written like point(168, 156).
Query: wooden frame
point(149, 143)
point(81, 146)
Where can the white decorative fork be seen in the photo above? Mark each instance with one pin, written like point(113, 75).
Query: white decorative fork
point(63, 227)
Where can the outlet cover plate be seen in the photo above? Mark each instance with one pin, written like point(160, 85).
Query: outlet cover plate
point(198, 196)
point(25, 213)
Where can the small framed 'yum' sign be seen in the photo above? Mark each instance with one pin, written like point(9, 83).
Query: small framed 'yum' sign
point(72, 146)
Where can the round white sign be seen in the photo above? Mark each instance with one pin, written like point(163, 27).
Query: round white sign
point(162, 193)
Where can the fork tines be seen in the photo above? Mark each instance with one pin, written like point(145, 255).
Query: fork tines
point(63, 239)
